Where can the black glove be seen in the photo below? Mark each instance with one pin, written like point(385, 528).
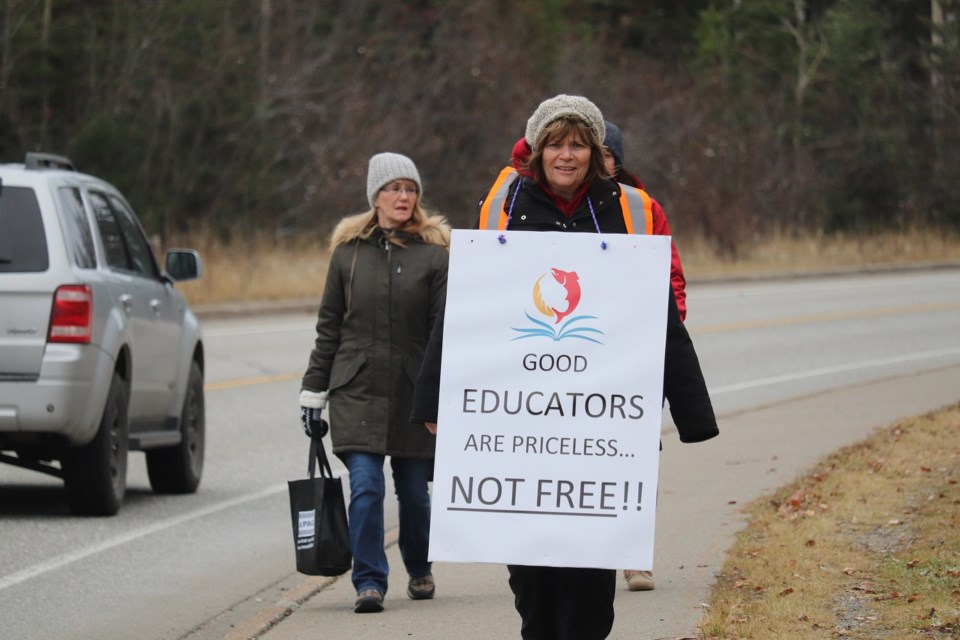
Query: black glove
point(313, 423)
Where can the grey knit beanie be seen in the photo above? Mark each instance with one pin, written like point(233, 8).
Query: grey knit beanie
point(558, 107)
point(614, 141)
point(387, 167)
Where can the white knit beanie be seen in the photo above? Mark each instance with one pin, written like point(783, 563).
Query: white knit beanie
point(387, 167)
point(560, 106)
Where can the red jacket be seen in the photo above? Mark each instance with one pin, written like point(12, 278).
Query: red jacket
point(519, 157)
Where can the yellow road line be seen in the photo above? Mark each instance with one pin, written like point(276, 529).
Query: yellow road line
point(246, 382)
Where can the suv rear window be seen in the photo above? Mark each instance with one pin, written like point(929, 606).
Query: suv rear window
point(77, 228)
point(23, 243)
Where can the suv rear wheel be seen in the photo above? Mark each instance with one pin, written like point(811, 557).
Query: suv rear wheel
point(95, 475)
point(178, 469)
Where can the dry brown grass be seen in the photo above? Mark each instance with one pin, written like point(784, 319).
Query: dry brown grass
point(866, 546)
point(784, 252)
point(263, 268)
point(255, 269)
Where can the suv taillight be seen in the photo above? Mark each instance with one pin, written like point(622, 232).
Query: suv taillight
point(72, 317)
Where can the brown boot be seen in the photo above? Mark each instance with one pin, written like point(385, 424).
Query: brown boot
point(421, 588)
point(368, 601)
point(638, 580)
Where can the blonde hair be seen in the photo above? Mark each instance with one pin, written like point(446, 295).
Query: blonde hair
point(430, 227)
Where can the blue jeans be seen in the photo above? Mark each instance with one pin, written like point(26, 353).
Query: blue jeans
point(365, 512)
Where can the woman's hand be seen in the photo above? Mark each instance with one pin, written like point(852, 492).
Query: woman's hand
point(431, 427)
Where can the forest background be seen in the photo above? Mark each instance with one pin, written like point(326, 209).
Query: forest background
point(746, 119)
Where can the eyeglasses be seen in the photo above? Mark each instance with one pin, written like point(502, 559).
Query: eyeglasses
point(397, 189)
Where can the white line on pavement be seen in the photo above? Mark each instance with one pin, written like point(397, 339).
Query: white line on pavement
point(823, 371)
point(61, 561)
point(66, 559)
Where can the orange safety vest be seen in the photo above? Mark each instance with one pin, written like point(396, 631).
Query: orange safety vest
point(632, 202)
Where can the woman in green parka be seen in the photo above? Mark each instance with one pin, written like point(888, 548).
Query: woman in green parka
point(385, 286)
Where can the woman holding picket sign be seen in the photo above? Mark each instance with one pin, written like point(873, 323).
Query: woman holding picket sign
point(566, 187)
point(386, 284)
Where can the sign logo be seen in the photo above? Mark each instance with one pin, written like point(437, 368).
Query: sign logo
point(556, 295)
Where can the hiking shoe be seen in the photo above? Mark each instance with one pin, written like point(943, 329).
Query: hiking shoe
point(421, 588)
point(368, 601)
point(638, 580)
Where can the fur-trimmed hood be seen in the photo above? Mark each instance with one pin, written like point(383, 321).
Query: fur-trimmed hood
point(435, 230)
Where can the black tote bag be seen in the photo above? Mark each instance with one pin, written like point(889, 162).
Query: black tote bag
point(319, 515)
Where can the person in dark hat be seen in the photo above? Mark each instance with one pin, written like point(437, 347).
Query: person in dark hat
point(613, 158)
point(636, 579)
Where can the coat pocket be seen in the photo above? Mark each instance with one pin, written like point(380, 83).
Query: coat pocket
point(345, 368)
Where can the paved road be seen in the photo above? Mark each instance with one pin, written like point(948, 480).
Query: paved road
point(791, 365)
point(703, 488)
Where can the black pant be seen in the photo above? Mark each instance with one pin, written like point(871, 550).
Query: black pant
point(560, 603)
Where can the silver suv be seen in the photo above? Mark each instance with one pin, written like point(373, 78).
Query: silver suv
point(99, 353)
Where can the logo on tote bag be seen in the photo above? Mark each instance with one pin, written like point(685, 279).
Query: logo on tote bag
point(306, 528)
point(556, 295)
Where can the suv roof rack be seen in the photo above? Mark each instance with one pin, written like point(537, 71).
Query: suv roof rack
point(37, 160)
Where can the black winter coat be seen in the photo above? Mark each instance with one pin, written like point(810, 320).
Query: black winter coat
point(683, 382)
point(378, 307)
